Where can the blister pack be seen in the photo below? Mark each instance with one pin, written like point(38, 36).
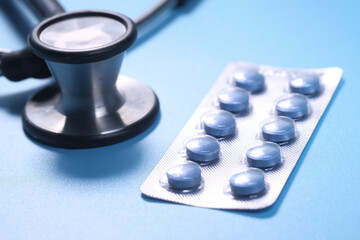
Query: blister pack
point(240, 146)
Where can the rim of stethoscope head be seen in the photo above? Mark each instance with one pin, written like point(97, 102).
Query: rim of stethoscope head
point(86, 55)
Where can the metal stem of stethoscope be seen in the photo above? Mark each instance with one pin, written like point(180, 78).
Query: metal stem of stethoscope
point(90, 105)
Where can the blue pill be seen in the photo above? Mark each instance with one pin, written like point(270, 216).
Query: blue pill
point(250, 80)
point(202, 149)
point(292, 106)
point(233, 99)
point(264, 156)
point(307, 84)
point(219, 123)
point(247, 182)
point(184, 176)
point(278, 129)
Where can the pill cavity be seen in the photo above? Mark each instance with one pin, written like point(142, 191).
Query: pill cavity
point(278, 129)
point(219, 123)
point(202, 149)
point(251, 80)
point(292, 106)
point(247, 182)
point(184, 176)
point(233, 99)
point(264, 155)
point(307, 84)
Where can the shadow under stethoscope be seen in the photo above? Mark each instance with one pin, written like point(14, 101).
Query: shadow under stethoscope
point(14, 103)
point(102, 162)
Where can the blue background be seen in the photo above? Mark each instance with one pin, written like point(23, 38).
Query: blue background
point(50, 193)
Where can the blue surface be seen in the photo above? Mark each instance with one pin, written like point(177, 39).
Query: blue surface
point(49, 193)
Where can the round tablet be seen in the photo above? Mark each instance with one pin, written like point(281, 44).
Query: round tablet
point(278, 129)
point(308, 84)
point(264, 156)
point(219, 123)
point(250, 80)
point(292, 106)
point(233, 99)
point(184, 176)
point(202, 149)
point(247, 182)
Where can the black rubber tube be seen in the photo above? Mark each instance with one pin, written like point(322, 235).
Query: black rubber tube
point(157, 9)
point(23, 64)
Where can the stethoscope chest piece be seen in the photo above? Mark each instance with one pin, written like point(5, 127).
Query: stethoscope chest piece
point(90, 105)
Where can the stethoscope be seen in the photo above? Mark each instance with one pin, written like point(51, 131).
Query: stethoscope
point(90, 105)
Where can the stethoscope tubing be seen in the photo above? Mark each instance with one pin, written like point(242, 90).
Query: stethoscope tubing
point(23, 64)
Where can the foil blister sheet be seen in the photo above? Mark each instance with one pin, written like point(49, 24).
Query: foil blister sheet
point(213, 193)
